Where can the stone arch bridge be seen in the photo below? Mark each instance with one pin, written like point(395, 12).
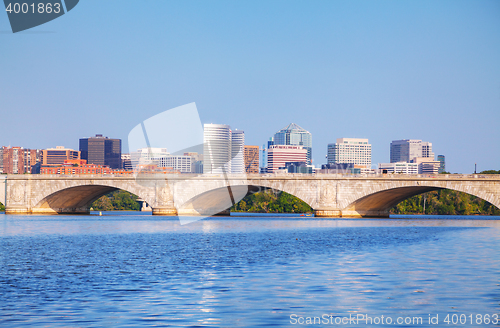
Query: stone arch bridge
point(328, 195)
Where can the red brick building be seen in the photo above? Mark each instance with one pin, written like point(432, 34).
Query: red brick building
point(80, 167)
point(17, 160)
point(251, 157)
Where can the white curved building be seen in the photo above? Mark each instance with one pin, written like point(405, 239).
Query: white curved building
point(216, 148)
point(223, 149)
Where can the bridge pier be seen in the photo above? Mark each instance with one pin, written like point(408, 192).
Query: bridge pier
point(365, 214)
point(328, 213)
point(165, 211)
point(17, 210)
point(336, 213)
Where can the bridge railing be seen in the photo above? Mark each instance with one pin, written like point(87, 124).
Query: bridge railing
point(269, 175)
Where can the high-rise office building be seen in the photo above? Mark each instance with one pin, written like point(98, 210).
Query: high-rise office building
point(408, 149)
point(216, 148)
point(237, 151)
point(442, 164)
point(57, 156)
point(279, 155)
point(251, 159)
point(223, 149)
point(101, 150)
point(350, 150)
point(294, 135)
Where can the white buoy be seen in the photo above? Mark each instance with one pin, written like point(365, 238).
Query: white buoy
point(100, 213)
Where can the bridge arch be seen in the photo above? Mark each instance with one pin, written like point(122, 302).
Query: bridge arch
point(216, 197)
point(378, 202)
point(220, 199)
point(72, 200)
point(77, 198)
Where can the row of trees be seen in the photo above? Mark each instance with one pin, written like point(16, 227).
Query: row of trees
point(271, 201)
point(445, 202)
point(119, 200)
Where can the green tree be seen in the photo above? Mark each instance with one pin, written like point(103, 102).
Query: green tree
point(2, 208)
point(119, 200)
point(102, 204)
point(490, 172)
point(271, 201)
point(445, 202)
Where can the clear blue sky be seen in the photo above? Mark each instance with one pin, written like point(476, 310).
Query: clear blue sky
point(381, 70)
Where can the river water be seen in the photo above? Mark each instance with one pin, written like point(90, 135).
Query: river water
point(131, 269)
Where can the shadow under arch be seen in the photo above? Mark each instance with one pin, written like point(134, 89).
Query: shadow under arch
point(378, 204)
point(72, 200)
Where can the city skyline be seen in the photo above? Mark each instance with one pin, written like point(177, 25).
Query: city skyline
point(378, 69)
point(240, 162)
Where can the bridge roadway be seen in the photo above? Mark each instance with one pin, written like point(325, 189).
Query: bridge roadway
point(329, 195)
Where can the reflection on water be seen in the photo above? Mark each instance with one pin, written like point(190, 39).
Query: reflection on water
point(128, 269)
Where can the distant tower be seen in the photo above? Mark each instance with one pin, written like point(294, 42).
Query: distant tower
point(237, 151)
point(294, 135)
point(442, 166)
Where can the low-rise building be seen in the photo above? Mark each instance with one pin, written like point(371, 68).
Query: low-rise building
point(299, 167)
point(58, 155)
point(399, 167)
point(127, 162)
point(427, 165)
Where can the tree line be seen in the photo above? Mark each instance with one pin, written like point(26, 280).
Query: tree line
point(445, 202)
point(119, 200)
point(271, 201)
